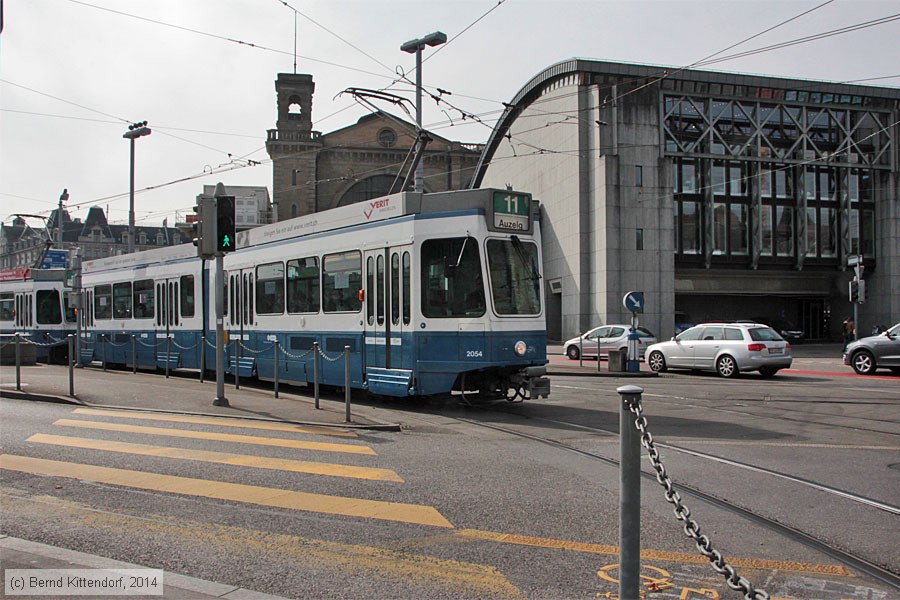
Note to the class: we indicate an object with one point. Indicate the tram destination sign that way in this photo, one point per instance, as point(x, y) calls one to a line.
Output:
point(510, 212)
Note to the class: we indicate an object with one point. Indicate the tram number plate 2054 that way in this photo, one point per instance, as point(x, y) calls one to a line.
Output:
point(474, 353)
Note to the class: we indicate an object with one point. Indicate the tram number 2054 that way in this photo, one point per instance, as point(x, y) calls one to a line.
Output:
point(474, 353)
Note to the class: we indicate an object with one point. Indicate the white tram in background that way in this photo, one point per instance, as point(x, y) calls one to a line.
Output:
point(432, 293)
point(35, 302)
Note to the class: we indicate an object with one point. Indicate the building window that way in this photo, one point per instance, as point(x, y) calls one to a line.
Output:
point(387, 137)
point(639, 239)
point(638, 176)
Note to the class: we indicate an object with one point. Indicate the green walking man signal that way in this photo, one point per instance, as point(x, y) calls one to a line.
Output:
point(224, 223)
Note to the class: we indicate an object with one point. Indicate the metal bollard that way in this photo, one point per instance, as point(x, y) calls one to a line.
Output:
point(202, 357)
point(103, 346)
point(18, 365)
point(277, 351)
point(316, 372)
point(629, 495)
point(71, 365)
point(347, 383)
point(168, 353)
point(133, 354)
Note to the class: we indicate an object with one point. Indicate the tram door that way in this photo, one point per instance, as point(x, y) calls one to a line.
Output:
point(167, 309)
point(239, 311)
point(387, 306)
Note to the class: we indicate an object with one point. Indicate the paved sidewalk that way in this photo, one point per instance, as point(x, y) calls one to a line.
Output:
point(185, 394)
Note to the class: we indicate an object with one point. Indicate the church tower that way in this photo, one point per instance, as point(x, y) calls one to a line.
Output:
point(293, 147)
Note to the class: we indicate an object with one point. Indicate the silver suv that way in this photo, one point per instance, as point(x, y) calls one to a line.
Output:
point(726, 348)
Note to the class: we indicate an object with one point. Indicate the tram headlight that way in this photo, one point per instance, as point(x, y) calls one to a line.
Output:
point(520, 348)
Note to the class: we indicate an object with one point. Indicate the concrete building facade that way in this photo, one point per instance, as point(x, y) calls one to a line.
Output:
point(720, 196)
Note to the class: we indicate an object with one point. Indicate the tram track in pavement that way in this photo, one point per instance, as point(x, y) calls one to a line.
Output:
point(692, 402)
point(849, 559)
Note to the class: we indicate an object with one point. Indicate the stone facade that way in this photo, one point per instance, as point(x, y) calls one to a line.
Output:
point(313, 171)
point(22, 245)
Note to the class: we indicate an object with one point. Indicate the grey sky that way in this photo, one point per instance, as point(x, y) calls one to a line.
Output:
point(73, 75)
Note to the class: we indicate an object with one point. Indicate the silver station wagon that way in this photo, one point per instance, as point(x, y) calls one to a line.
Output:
point(726, 348)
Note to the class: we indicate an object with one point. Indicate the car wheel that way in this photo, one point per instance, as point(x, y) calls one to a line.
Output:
point(726, 367)
point(768, 371)
point(863, 362)
point(657, 361)
point(572, 352)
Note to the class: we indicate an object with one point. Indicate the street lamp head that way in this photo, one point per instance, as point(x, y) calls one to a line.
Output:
point(136, 132)
point(432, 39)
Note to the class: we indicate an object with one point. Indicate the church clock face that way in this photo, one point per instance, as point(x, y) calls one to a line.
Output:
point(387, 137)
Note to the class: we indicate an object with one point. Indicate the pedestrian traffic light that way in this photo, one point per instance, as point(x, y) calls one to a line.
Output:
point(203, 228)
point(225, 224)
point(857, 290)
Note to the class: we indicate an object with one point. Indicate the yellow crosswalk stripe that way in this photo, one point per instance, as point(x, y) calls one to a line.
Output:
point(220, 421)
point(222, 437)
point(248, 494)
point(223, 458)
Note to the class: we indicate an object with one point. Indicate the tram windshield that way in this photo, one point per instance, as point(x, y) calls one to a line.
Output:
point(515, 277)
point(452, 285)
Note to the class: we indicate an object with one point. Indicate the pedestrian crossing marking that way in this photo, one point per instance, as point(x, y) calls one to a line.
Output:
point(224, 422)
point(222, 437)
point(224, 458)
point(247, 494)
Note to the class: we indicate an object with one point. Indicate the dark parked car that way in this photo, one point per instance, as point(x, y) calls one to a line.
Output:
point(874, 352)
point(788, 330)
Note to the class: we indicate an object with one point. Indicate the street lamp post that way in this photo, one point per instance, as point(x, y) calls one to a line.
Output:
point(135, 130)
point(415, 47)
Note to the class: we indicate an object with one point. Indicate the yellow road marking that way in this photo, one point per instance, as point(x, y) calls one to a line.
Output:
point(223, 458)
point(235, 492)
point(222, 421)
point(678, 557)
point(222, 437)
point(412, 571)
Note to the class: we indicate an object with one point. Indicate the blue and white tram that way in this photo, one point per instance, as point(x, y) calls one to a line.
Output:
point(431, 293)
point(142, 309)
point(36, 303)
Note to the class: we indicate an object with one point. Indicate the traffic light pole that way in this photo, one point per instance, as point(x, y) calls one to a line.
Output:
point(220, 400)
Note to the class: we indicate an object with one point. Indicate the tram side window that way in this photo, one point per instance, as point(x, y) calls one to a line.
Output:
point(103, 302)
point(341, 281)
point(7, 306)
point(303, 285)
point(515, 279)
point(270, 289)
point(48, 307)
point(452, 284)
point(143, 299)
point(187, 296)
point(122, 300)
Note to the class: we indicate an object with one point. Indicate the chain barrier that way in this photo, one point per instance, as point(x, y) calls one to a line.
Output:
point(180, 347)
point(691, 528)
point(328, 358)
point(27, 340)
point(295, 356)
point(251, 350)
point(146, 345)
point(109, 342)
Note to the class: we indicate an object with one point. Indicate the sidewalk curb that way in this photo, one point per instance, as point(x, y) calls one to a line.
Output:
point(92, 561)
point(17, 395)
